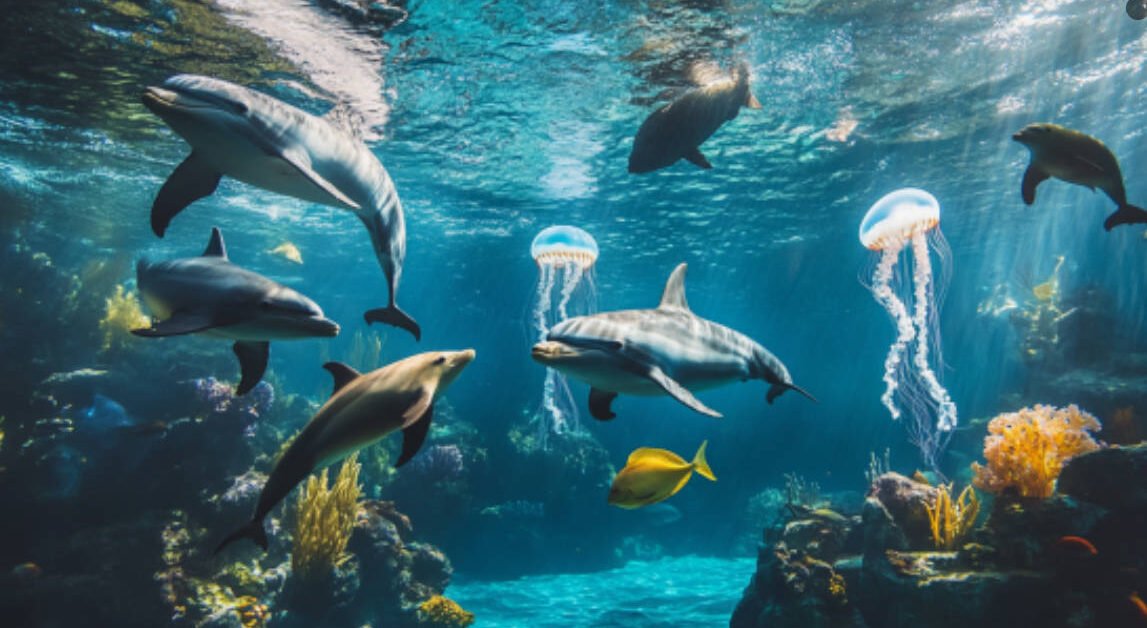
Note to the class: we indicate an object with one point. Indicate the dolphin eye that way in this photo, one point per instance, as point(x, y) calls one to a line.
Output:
point(440, 360)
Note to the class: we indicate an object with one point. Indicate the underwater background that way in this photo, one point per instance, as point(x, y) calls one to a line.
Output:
point(124, 460)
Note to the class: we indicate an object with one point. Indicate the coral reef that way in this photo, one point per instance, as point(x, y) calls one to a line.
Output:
point(1026, 450)
point(441, 611)
point(122, 313)
point(951, 521)
point(324, 520)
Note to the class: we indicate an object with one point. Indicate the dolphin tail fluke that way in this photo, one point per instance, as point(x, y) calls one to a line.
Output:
point(701, 466)
point(192, 180)
point(777, 389)
point(394, 317)
point(1126, 215)
point(253, 530)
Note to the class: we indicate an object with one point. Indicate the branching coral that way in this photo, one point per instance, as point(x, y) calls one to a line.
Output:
point(443, 611)
point(1026, 450)
point(122, 314)
point(951, 521)
point(324, 521)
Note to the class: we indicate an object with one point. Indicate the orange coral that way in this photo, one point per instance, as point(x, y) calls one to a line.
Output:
point(1026, 450)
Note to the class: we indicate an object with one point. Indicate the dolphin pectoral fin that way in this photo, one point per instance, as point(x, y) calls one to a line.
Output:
point(423, 405)
point(252, 363)
point(342, 373)
point(679, 392)
point(777, 389)
point(1126, 215)
point(394, 317)
point(179, 324)
point(697, 159)
point(599, 401)
point(302, 164)
point(1032, 177)
point(192, 180)
point(251, 530)
point(414, 435)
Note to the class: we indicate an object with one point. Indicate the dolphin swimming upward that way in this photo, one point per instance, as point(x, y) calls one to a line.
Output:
point(362, 410)
point(665, 351)
point(212, 296)
point(267, 143)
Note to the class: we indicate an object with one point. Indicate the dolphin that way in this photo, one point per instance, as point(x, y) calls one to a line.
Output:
point(267, 143)
point(362, 410)
point(1077, 158)
point(677, 130)
point(212, 296)
point(664, 351)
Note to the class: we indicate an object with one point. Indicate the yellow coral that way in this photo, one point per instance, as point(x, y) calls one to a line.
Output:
point(951, 521)
point(324, 521)
point(122, 314)
point(440, 610)
point(1026, 450)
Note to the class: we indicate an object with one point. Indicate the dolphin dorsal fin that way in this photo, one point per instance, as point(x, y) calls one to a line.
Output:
point(215, 247)
point(674, 294)
point(342, 373)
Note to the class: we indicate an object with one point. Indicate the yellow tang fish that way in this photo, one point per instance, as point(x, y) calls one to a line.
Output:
point(651, 475)
point(289, 252)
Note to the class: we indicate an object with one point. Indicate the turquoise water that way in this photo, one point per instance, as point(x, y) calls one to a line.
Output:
point(495, 120)
point(682, 591)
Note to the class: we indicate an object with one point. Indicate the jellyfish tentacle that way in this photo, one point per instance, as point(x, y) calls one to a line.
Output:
point(905, 332)
point(946, 410)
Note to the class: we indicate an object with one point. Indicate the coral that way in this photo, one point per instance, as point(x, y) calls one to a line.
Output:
point(324, 521)
point(802, 492)
point(122, 314)
point(877, 466)
point(951, 521)
point(442, 611)
point(438, 464)
point(1026, 450)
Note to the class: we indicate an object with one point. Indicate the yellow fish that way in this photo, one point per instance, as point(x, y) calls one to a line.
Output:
point(289, 252)
point(651, 475)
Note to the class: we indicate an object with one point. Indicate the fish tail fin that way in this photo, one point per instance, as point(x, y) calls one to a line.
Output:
point(1125, 215)
point(393, 316)
point(252, 530)
point(701, 466)
point(776, 389)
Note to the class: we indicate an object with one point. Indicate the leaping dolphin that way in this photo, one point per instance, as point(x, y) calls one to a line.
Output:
point(212, 296)
point(362, 410)
point(664, 351)
point(267, 143)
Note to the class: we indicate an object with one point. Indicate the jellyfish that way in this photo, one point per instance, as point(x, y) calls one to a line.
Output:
point(565, 257)
point(909, 218)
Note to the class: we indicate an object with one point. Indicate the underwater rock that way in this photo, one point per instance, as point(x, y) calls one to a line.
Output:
point(906, 500)
point(1024, 530)
point(880, 530)
point(1115, 478)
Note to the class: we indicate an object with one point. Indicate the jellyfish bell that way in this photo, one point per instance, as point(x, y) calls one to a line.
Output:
point(909, 218)
point(898, 216)
point(563, 244)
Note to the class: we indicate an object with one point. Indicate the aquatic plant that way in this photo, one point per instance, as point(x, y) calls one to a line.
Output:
point(122, 313)
point(877, 466)
point(324, 521)
point(440, 610)
point(801, 492)
point(951, 521)
point(1026, 450)
point(365, 351)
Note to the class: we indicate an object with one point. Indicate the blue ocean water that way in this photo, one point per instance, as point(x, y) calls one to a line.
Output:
point(497, 120)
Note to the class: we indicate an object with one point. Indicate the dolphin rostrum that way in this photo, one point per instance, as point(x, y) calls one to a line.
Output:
point(362, 410)
point(1078, 158)
point(267, 143)
point(664, 351)
point(677, 130)
point(212, 296)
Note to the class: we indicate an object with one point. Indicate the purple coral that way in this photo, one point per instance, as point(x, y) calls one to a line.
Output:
point(221, 400)
point(440, 462)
